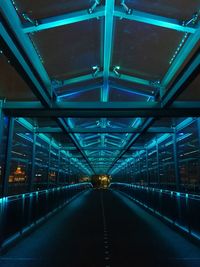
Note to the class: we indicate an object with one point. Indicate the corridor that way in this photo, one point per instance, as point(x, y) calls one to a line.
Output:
point(102, 228)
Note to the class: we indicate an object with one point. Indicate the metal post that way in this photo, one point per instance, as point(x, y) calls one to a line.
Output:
point(1, 122)
point(158, 163)
point(1, 142)
point(134, 166)
point(147, 168)
point(58, 170)
point(32, 172)
point(139, 167)
point(198, 131)
point(8, 156)
point(176, 165)
point(49, 162)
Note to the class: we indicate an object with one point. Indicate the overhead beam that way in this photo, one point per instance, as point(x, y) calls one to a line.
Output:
point(76, 80)
point(132, 79)
point(129, 90)
point(22, 66)
point(9, 13)
point(74, 17)
point(108, 42)
point(78, 90)
point(63, 125)
point(66, 19)
point(184, 53)
point(188, 74)
point(155, 20)
point(145, 127)
point(103, 110)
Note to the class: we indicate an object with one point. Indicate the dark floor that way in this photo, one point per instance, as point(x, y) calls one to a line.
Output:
point(103, 228)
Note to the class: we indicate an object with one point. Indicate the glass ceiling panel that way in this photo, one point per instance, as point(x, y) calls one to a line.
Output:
point(10, 80)
point(140, 49)
point(47, 8)
point(62, 53)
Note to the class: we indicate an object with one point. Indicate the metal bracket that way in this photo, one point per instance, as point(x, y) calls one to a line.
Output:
point(116, 71)
point(32, 21)
point(155, 84)
point(96, 70)
point(56, 83)
point(93, 7)
point(126, 8)
point(192, 21)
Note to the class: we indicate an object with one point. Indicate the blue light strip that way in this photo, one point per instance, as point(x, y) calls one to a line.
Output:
point(130, 91)
point(162, 191)
point(4, 200)
point(67, 95)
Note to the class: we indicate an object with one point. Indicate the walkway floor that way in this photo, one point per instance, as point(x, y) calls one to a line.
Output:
point(102, 228)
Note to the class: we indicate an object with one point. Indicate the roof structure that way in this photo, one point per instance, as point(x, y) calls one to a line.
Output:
point(100, 77)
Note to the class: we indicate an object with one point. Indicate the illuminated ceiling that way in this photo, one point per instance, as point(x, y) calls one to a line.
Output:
point(102, 73)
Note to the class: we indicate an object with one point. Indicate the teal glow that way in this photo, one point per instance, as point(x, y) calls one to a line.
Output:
point(65, 19)
point(161, 139)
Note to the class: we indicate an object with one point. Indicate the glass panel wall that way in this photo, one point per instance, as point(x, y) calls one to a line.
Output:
point(21, 156)
point(173, 159)
point(3, 142)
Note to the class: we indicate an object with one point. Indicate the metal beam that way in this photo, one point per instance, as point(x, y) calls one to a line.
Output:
point(21, 65)
point(104, 110)
point(79, 90)
point(62, 20)
point(108, 41)
point(9, 12)
point(129, 90)
point(188, 74)
point(63, 125)
point(155, 20)
point(145, 127)
point(83, 15)
point(132, 79)
point(184, 53)
point(76, 80)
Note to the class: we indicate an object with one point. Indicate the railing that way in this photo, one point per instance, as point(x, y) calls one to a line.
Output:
point(20, 213)
point(180, 209)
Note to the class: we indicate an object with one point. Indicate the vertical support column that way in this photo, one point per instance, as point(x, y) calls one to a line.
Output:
point(32, 172)
point(176, 165)
point(158, 163)
point(1, 122)
point(147, 168)
point(49, 162)
point(198, 131)
point(139, 167)
point(134, 168)
point(58, 171)
point(131, 172)
point(1, 143)
point(8, 155)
